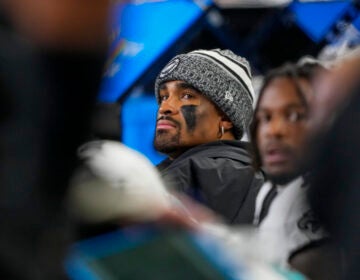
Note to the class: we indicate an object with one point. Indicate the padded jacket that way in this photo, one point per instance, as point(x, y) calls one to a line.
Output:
point(218, 174)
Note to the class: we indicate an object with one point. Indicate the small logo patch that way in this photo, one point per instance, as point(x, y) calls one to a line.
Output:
point(309, 222)
point(169, 68)
point(228, 96)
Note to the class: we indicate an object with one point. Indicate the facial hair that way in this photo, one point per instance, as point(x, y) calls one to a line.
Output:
point(282, 179)
point(164, 144)
point(171, 144)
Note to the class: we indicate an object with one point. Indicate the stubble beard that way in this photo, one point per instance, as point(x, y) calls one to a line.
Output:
point(282, 179)
point(166, 143)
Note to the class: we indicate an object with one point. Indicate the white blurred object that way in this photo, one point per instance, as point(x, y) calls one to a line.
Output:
point(116, 183)
point(241, 250)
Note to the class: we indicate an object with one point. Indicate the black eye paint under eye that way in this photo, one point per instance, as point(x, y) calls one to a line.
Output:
point(189, 113)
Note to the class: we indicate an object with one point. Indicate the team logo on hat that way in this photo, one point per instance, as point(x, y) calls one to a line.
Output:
point(169, 68)
point(228, 96)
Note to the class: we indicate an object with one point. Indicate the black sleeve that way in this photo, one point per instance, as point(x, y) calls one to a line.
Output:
point(226, 186)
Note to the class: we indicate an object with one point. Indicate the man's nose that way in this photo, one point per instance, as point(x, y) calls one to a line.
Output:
point(168, 107)
point(277, 127)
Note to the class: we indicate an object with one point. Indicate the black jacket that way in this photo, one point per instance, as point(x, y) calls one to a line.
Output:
point(218, 174)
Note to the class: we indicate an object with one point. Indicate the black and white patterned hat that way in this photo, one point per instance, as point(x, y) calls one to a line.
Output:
point(221, 76)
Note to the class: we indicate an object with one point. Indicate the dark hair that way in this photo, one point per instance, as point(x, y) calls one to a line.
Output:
point(304, 69)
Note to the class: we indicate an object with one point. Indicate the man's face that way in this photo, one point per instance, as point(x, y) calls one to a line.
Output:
point(281, 132)
point(185, 119)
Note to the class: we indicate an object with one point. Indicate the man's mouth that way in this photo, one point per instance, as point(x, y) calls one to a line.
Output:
point(276, 155)
point(165, 125)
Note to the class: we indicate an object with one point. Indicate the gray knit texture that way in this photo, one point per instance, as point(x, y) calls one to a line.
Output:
point(214, 82)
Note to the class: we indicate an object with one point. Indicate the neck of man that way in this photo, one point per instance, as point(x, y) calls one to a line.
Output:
point(284, 179)
point(175, 154)
point(227, 136)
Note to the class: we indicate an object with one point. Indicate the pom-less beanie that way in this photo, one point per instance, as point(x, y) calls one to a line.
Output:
point(221, 76)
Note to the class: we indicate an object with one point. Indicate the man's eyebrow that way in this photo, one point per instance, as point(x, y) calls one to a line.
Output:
point(288, 106)
point(296, 105)
point(162, 86)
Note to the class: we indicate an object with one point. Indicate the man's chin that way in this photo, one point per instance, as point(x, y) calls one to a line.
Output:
point(282, 178)
point(165, 149)
point(165, 144)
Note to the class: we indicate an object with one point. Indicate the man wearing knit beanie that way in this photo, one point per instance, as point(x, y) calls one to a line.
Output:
point(205, 105)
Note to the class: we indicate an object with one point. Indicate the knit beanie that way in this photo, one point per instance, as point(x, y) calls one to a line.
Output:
point(221, 76)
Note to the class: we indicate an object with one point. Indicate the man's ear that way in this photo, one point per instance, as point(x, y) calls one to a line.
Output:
point(226, 123)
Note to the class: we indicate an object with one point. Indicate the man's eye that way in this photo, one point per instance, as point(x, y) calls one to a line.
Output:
point(263, 118)
point(187, 96)
point(163, 98)
point(295, 116)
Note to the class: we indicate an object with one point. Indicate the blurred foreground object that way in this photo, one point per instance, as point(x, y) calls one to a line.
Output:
point(149, 252)
point(116, 182)
point(49, 81)
point(67, 24)
point(335, 192)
